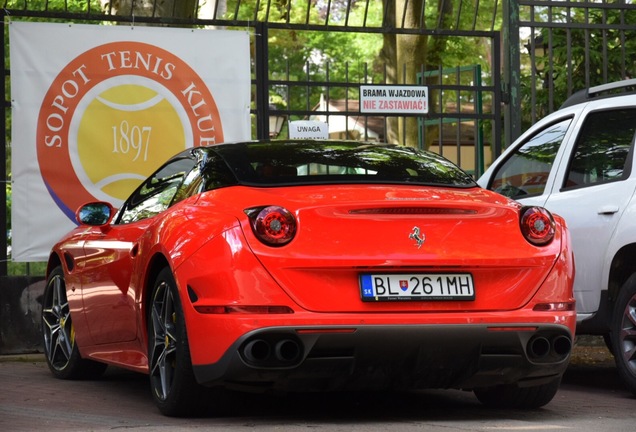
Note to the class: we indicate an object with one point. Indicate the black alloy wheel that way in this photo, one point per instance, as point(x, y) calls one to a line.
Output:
point(60, 349)
point(172, 381)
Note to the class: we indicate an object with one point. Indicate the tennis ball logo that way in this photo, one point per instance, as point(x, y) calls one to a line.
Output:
point(142, 128)
point(113, 115)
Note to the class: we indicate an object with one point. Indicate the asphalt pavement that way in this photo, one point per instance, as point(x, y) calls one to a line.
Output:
point(32, 400)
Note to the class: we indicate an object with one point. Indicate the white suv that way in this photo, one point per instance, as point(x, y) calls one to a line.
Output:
point(579, 162)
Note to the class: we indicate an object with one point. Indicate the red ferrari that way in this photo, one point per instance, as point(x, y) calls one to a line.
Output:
point(313, 266)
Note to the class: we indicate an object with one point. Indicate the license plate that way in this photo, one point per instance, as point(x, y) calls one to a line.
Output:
point(409, 287)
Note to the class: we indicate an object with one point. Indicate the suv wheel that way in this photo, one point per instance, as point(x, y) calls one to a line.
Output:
point(624, 333)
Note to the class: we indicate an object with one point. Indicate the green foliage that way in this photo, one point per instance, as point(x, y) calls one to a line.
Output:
point(354, 57)
point(603, 62)
point(74, 6)
point(580, 57)
point(8, 192)
point(25, 268)
point(321, 56)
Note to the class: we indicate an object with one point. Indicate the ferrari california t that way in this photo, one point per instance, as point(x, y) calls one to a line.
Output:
point(313, 266)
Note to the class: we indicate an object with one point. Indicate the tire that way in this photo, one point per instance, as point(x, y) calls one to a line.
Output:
point(607, 338)
point(58, 334)
point(174, 388)
point(511, 396)
point(624, 333)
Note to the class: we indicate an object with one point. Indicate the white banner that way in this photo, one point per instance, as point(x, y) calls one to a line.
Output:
point(96, 109)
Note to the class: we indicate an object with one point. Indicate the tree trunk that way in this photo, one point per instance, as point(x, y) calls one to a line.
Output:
point(404, 56)
point(407, 55)
point(411, 56)
point(388, 55)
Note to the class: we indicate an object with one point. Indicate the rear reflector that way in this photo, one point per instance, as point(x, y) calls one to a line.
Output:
point(550, 307)
point(243, 309)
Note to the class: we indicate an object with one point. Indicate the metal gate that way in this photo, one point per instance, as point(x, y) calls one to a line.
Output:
point(567, 46)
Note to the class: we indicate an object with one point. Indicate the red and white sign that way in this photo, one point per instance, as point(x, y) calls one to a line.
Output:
point(96, 109)
point(393, 99)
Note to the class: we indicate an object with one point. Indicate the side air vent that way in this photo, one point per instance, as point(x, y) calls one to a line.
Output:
point(70, 262)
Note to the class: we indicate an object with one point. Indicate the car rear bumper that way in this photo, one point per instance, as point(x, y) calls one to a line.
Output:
point(367, 357)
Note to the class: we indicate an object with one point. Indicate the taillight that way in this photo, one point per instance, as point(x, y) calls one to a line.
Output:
point(537, 225)
point(273, 225)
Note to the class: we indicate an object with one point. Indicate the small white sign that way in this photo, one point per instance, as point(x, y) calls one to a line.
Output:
point(388, 99)
point(309, 129)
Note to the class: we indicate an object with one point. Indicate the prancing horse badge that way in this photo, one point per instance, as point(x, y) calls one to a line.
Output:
point(419, 238)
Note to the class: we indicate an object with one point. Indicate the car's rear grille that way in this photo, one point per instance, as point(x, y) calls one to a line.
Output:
point(411, 210)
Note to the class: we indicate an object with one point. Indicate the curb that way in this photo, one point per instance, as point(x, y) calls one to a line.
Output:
point(26, 358)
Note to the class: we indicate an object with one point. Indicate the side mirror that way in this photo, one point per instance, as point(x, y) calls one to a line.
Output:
point(95, 214)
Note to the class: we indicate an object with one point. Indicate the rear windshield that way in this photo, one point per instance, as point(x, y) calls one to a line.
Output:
point(325, 162)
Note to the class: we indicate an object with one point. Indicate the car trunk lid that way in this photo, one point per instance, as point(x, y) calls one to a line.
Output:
point(349, 235)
